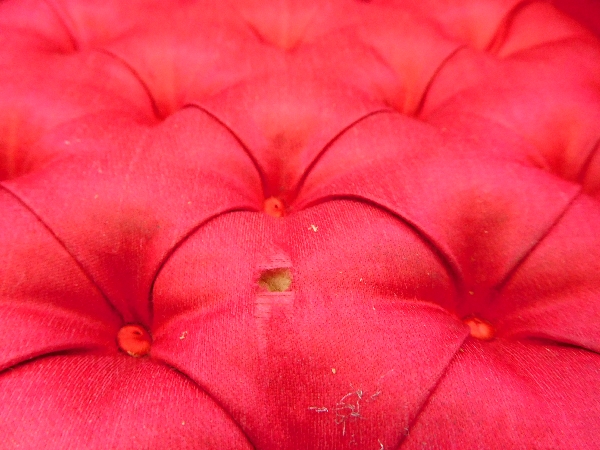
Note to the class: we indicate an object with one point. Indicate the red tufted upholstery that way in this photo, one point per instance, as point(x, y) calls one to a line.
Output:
point(299, 225)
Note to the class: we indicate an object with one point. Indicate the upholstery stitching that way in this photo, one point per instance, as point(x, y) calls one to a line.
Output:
point(66, 249)
point(576, 39)
point(257, 34)
point(434, 76)
point(137, 76)
point(426, 401)
point(261, 174)
point(65, 21)
point(541, 237)
point(329, 144)
point(588, 161)
point(69, 315)
point(59, 352)
point(447, 261)
point(546, 339)
point(184, 237)
point(209, 395)
point(503, 31)
point(299, 42)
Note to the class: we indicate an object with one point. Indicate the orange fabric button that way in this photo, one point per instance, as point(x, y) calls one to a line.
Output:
point(134, 340)
point(274, 207)
point(480, 329)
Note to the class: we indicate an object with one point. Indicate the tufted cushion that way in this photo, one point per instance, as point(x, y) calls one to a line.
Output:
point(299, 224)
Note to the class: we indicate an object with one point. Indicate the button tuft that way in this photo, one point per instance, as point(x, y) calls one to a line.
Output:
point(274, 207)
point(480, 329)
point(134, 340)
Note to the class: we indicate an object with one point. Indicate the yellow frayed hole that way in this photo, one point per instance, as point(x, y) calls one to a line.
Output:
point(276, 280)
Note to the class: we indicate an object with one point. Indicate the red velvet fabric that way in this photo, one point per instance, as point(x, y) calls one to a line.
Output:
point(299, 224)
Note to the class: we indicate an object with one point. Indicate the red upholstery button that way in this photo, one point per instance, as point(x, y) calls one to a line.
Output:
point(480, 329)
point(274, 207)
point(134, 340)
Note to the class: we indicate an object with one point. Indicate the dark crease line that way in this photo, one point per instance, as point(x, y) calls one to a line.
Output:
point(451, 267)
point(239, 140)
point(505, 26)
point(374, 52)
point(64, 19)
point(434, 76)
point(540, 45)
point(67, 351)
point(330, 143)
point(426, 401)
point(185, 237)
point(295, 45)
point(256, 33)
point(210, 396)
point(302, 35)
point(138, 77)
point(66, 249)
point(536, 244)
point(588, 161)
point(547, 339)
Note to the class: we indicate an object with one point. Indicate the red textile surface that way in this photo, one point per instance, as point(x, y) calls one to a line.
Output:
point(299, 225)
